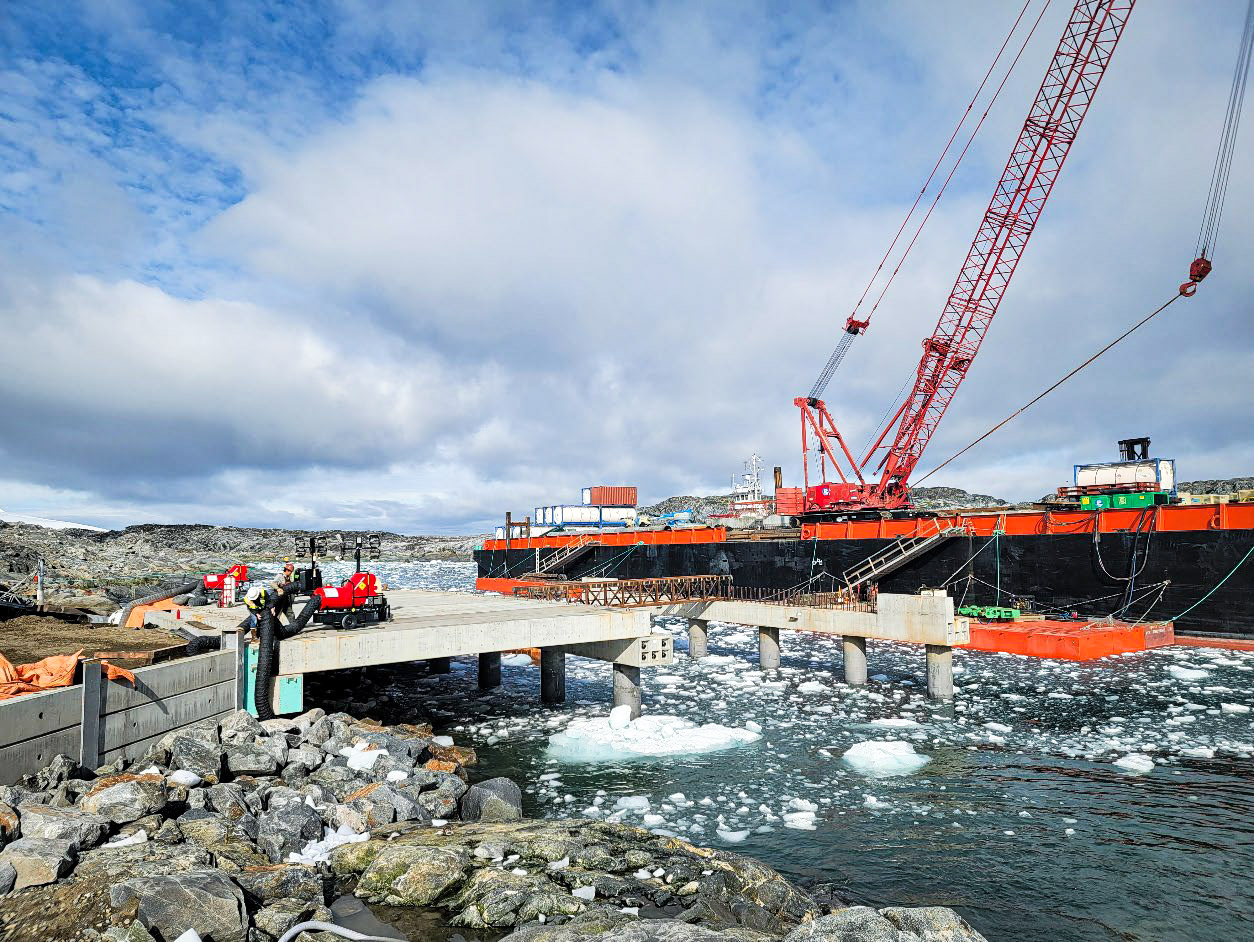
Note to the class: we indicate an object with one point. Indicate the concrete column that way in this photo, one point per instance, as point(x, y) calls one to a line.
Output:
point(768, 648)
point(489, 670)
point(553, 675)
point(698, 639)
point(627, 688)
point(855, 659)
point(940, 672)
point(440, 665)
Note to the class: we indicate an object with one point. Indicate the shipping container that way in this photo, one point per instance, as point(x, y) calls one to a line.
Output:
point(1160, 472)
point(605, 495)
point(789, 501)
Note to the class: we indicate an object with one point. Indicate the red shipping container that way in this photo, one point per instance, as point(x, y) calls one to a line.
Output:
point(789, 501)
point(609, 496)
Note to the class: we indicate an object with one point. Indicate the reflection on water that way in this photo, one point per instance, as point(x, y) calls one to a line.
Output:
point(1020, 821)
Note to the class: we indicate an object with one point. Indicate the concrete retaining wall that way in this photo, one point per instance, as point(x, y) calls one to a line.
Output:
point(98, 720)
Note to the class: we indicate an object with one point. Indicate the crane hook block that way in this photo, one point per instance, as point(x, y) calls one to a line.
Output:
point(1197, 272)
point(853, 326)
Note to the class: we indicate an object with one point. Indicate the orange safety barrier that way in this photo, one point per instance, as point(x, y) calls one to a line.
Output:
point(504, 586)
point(48, 674)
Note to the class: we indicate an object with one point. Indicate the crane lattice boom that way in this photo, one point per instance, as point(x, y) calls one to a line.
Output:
point(1084, 52)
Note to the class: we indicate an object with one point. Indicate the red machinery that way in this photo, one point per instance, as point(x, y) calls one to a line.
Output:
point(218, 582)
point(1080, 61)
point(356, 602)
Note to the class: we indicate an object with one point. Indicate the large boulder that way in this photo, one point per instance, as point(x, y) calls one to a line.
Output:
point(287, 828)
point(932, 924)
point(413, 876)
point(496, 800)
point(276, 919)
point(8, 877)
point(170, 904)
point(382, 804)
point(231, 841)
point(81, 828)
point(502, 898)
point(10, 824)
point(240, 726)
point(247, 759)
point(228, 800)
point(854, 924)
point(267, 884)
point(194, 755)
point(38, 860)
point(126, 798)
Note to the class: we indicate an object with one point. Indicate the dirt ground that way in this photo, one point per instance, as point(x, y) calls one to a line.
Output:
point(31, 638)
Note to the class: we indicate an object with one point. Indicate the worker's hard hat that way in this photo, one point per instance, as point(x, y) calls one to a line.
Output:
point(254, 593)
point(287, 566)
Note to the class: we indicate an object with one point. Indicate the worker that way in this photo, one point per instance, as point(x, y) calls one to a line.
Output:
point(261, 597)
point(284, 585)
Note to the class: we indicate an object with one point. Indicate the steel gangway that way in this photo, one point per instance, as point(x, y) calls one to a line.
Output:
point(896, 555)
point(557, 560)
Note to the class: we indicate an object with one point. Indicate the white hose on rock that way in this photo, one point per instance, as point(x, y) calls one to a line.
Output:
point(315, 926)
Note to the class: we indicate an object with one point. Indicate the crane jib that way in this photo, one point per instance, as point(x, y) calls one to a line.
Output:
point(1071, 81)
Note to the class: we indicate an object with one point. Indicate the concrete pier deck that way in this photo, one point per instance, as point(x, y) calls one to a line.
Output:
point(434, 626)
point(429, 624)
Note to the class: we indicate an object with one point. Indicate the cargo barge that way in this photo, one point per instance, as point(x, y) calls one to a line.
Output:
point(1169, 562)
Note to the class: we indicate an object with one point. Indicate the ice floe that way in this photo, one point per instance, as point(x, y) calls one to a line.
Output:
point(884, 757)
point(599, 739)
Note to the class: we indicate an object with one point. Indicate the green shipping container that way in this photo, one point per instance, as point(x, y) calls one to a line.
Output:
point(1144, 499)
point(1095, 501)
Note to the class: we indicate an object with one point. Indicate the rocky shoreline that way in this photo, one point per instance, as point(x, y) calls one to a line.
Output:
point(242, 829)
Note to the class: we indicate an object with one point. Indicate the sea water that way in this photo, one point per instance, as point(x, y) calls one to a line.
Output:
point(1051, 800)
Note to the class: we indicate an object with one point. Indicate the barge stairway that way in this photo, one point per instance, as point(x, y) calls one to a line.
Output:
point(557, 560)
point(895, 556)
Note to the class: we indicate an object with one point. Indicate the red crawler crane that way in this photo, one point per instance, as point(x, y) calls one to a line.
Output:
point(1077, 68)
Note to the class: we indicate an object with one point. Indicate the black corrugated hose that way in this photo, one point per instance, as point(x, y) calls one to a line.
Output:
point(269, 634)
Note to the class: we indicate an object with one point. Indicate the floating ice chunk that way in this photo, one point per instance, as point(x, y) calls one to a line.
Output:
point(894, 722)
point(653, 820)
point(598, 739)
point(997, 727)
point(800, 820)
point(731, 837)
point(812, 686)
point(668, 679)
point(880, 678)
point(800, 804)
point(363, 755)
point(880, 758)
point(678, 798)
point(1187, 674)
point(184, 777)
point(632, 803)
point(516, 660)
point(757, 727)
point(870, 801)
point(442, 740)
point(318, 851)
point(1136, 763)
point(1198, 752)
point(1234, 708)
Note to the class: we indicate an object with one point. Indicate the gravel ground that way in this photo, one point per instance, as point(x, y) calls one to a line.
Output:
point(33, 637)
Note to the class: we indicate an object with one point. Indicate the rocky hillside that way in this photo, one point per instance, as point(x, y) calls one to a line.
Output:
point(1227, 486)
point(122, 562)
point(702, 506)
point(953, 498)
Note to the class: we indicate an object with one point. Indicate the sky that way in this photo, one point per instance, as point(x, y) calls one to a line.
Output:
point(407, 266)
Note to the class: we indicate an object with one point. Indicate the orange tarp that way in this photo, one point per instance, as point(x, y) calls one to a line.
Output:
point(55, 671)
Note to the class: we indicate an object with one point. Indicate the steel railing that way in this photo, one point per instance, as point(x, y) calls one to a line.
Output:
point(635, 593)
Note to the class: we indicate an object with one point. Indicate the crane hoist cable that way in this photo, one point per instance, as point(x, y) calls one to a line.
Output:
point(1209, 230)
point(853, 325)
point(1024, 408)
point(1211, 216)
